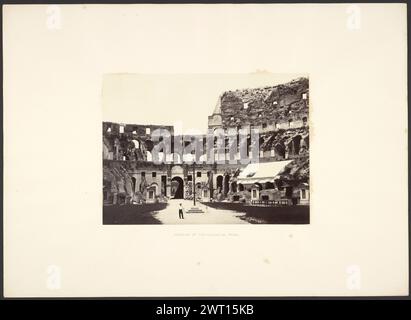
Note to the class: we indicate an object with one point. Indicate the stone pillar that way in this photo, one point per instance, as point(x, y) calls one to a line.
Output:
point(215, 190)
point(225, 190)
point(168, 187)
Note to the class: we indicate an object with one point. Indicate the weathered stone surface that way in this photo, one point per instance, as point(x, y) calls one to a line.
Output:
point(262, 106)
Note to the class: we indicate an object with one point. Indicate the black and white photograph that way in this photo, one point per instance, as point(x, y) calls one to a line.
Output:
point(250, 166)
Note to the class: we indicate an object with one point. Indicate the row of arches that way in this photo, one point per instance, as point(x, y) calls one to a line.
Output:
point(291, 147)
point(138, 150)
point(222, 184)
point(240, 187)
point(223, 187)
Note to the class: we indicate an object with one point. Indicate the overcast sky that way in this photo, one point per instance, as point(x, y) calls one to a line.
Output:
point(170, 99)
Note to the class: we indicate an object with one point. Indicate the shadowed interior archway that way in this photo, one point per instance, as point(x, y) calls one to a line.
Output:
point(220, 183)
point(177, 188)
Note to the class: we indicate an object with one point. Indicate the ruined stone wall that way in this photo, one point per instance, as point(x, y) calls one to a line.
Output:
point(142, 131)
point(128, 141)
point(285, 144)
point(279, 112)
point(298, 170)
point(131, 180)
point(268, 106)
point(277, 144)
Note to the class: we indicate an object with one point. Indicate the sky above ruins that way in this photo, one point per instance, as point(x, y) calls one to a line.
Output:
point(184, 101)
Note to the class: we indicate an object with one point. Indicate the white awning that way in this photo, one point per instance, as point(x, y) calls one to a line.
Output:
point(261, 172)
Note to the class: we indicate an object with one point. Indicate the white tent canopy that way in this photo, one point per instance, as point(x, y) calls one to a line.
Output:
point(261, 172)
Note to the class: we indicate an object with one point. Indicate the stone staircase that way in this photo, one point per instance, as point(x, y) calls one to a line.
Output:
point(195, 210)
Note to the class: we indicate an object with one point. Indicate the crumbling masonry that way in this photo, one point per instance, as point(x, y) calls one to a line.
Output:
point(280, 113)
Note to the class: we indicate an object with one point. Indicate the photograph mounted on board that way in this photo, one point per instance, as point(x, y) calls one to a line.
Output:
point(206, 149)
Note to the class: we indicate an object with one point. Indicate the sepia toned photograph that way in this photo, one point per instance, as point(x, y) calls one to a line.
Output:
point(249, 166)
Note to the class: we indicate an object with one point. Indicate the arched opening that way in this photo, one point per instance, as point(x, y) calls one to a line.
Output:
point(154, 186)
point(177, 158)
point(161, 157)
point(106, 189)
point(307, 142)
point(164, 185)
point(152, 191)
point(304, 121)
point(149, 156)
point(248, 145)
point(280, 150)
point(136, 144)
point(226, 184)
point(269, 185)
point(255, 191)
point(219, 184)
point(258, 185)
point(202, 158)
point(169, 157)
point(279, 184)
point(240, 187)
point(234, 186)
point(177, 188)
point(289, 149)
point(149, 145)
point(198, 189)
point(297, 144)
point(133, 183)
